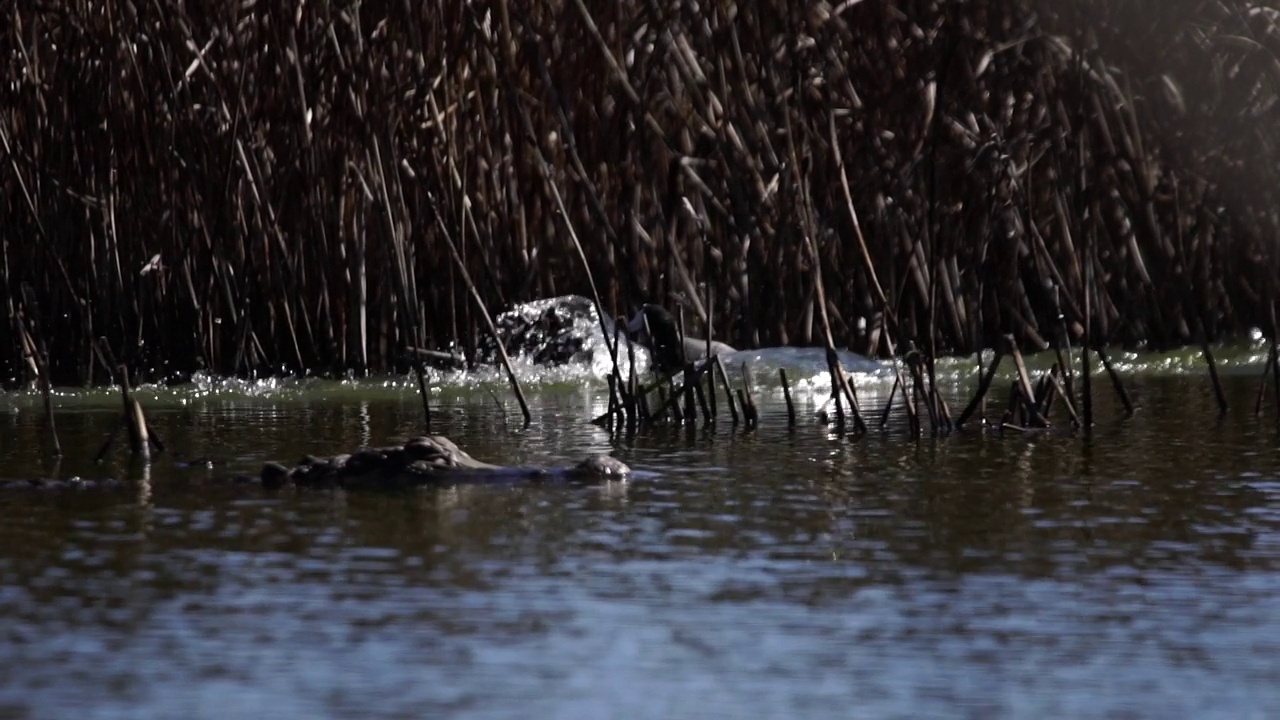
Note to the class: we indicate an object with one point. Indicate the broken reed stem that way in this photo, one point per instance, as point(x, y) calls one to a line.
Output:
point(690, 381)
point(888, 406)
point(708, 418)
point(1116, 382)
point(837, 390)
point(642, 409)
point(1062, 348)
point(1086, 344)
point(1213, 378)
point(1015, 410)
point(728, 391)
point(984, 384)
point(1024, 385)
point(1044, 394)
point(841, 379)
point(836, 398)
point(1059, 388)
point(141, 438)
point(624, 393)
point(908, 400)
point(671, 399)
point(786, 393)
point(134, 423)
point(944, 413)
point(746, 413)
point(852, 394)
point(750, 412)
point(920, 393)
point(936, 412)
point(1064, 364)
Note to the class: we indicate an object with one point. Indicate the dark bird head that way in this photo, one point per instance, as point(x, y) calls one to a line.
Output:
point(655, 328)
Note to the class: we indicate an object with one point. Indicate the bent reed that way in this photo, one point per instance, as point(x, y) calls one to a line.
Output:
point(263, 187)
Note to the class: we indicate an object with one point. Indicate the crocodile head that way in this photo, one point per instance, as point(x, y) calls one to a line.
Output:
point(600, 467)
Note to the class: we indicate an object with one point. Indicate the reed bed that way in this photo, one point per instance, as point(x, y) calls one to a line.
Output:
point(266, 187)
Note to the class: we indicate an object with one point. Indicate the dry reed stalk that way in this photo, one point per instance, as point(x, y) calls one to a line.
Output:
point(141, 437)
point(786, 394)
point(984, 384)
point(750, 413)
point(1214, 381)
point(690, 382)
point(1262, 382)
point(888, 405)
point(1023, 386)
point(920, 393)
point(724, 385)
point(1116, 383)
point(1065, 396)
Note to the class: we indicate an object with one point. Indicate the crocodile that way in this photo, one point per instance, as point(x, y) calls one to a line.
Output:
point(427, 461)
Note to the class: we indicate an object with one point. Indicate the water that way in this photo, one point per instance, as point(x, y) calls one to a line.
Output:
point(773, 574)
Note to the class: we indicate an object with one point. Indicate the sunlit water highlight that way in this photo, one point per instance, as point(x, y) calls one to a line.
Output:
point(780, 573)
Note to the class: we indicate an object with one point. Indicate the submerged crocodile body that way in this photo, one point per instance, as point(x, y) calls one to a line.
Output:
point(428, 461)
point(425, 461)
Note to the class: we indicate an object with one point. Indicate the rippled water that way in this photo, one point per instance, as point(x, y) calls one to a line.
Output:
point(779, 573)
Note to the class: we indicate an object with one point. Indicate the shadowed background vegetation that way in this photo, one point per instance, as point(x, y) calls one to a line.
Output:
point(265, 186)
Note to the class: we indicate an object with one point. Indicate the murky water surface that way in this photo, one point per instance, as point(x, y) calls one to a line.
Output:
point(773, 574)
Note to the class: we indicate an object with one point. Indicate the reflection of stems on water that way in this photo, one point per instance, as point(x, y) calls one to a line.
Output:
point(36, 354)
point(984, 384)
point(1272, 368)
point(1213, 377)
point(502, 410)
point(142, 438)
point(144, 482)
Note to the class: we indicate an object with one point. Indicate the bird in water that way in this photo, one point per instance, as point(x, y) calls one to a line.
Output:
point(656, 329)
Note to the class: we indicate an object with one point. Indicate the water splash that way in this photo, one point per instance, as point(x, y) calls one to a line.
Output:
point(552, 332)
